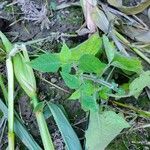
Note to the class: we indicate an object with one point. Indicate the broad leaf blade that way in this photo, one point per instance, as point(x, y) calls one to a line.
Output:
point(127, 63)
point(91, 64)
point(103, 128)
point(91, 46)
point(46, 63)
point(139, 84)
point(71, 80)
point(65, 54)
point(69, 136)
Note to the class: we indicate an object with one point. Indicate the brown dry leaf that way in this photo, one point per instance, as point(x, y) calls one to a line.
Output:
point(137, 34)
point(100, 19)
point(130, 10)
point(88, 6)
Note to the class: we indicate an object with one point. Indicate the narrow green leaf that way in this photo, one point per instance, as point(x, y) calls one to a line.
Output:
point(21, 130)
point(103, 128)
point(69, 136)
point(109, 48)
point(90, 64)
point(127, 63)
point(65, 54)
point(46, 63)
point(71, 80)
point(7, 44)
point(39, 107)
point(91, 46)
point(139, 84)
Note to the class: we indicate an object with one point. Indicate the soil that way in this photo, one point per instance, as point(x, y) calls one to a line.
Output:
point(68, 21)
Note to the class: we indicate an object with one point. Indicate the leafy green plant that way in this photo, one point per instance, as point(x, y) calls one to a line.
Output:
point(26, 80)
point(92, 82)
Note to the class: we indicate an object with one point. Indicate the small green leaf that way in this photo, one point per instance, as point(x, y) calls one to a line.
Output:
point(109, 48)
point(90, 64)
point(103, 93)
point(127, 63)
point(87, 88)
point(69, 136)
point(46, 63)
point(103, 128)
point(139, 84)
point(91, 46)
point(71, 80)
point(89, 103)
point(75, 95)
point(65, 54)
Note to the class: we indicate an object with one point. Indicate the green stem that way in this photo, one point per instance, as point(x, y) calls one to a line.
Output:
point(44, 132)
point(10, 76)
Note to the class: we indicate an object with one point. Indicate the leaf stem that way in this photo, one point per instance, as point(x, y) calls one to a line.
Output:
point(10, 76)
point(44, 132)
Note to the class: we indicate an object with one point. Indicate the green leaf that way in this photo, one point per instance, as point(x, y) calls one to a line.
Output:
point(89, 103)
point(65, 54)
point(103, 93)
point(46, 63)
point(127, 63)
point(137, 85)
point(20, 130)
point(66, 68)
point(7, 44)
point(109, 48)
point(69, 136)
point(103, 128)
point(71, 80)
point(90, 64)
point(39, 107)
point(75, 95)
point(91, 46)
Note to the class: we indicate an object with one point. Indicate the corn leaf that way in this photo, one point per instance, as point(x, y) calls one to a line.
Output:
point(69, 136)
point(103, 128)
point(7, 44)
point(21, 130)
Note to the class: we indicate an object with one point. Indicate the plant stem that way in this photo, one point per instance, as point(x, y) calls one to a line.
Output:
point(140, 112)
point(10, 76)
point(44, 132)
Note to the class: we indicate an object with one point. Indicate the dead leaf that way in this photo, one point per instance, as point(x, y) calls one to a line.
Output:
point(130, 10)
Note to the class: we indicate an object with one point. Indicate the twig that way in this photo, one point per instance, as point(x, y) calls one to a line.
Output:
point(54, 85)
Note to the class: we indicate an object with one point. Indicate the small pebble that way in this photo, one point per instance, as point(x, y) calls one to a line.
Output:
point(53, 80)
